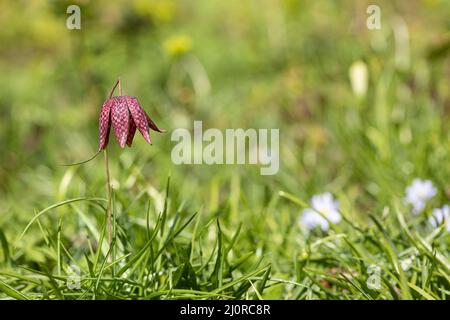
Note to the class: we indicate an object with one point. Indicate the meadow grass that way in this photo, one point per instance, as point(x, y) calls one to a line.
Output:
point(225, 232)
point(178, 254)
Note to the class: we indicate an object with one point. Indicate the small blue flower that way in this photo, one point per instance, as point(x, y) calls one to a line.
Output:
point(418, 193)
point(326, 205)
point(441, 216)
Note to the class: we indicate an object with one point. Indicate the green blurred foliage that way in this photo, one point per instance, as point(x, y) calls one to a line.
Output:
point(233, 64)
point(280, 64)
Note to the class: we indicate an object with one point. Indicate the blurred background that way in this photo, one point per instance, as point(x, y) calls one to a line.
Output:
point(284, 64)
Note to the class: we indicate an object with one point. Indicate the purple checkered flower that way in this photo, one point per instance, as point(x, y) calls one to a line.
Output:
point(126, 115)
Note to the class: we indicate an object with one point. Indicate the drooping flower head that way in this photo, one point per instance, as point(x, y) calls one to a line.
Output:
point(126, 115)
point(418, 193)
point(327, 206)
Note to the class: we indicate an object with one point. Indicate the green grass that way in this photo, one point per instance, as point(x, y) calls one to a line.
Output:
point(177, 254)
point(224, 232)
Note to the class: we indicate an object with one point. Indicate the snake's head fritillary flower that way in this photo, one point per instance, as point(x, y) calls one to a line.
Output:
point(418, 193)
point(327, 206)
point(125, 114)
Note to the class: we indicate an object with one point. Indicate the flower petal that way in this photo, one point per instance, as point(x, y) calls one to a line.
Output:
point(131, 132)
point(139, 117)
point(104, 124)
point(153, 125)
point(311, 219)
point(120, 120)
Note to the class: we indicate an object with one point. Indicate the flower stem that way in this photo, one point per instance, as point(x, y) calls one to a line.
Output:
point(109, 193)
point(108, 182)
point(114, 88)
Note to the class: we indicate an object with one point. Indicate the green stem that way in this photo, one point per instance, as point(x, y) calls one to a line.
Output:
point(114, 88)
point(109, 193)
point(108, 182)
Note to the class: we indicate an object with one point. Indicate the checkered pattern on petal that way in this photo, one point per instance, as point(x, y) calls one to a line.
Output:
point(131, 132)
point(120, 120)
point(139, 117)
point(104, 124)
